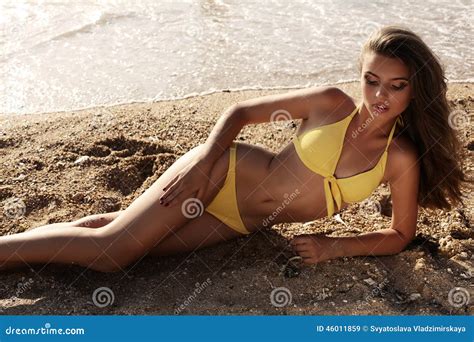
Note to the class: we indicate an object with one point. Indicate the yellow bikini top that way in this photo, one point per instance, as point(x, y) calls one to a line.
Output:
point(320, 149)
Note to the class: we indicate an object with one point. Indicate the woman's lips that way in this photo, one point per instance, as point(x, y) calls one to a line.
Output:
point(380, 108)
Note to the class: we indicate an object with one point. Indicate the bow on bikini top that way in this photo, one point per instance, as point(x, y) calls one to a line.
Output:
point(320, 149)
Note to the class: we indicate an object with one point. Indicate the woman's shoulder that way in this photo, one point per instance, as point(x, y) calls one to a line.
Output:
point(402, 145)
point(402, 157)
point(339, 105)
point(339, 96)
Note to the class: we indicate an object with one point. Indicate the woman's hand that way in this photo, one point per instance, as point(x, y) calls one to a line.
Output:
point(192, 181)
point(313, 248)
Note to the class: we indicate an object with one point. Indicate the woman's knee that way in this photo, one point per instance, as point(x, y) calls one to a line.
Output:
point(117, 252)
point(96, 220)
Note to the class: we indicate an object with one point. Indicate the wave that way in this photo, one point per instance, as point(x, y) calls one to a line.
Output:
point(103, 19)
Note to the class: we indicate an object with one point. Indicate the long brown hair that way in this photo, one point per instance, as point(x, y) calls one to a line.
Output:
point(428, 119)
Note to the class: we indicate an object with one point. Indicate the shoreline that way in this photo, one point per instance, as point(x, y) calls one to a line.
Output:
point(129, 146)
point(341, 84)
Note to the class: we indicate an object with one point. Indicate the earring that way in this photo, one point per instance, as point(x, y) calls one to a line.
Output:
point(400, 121)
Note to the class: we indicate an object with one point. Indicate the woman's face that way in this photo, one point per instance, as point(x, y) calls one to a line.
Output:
point(385, 82)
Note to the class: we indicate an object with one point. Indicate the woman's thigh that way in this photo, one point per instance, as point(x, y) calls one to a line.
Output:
point(145, 222)
point(96, 220)
point(203, 231)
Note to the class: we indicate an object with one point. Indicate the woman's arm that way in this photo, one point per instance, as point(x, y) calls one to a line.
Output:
point(403, 178)
point(298, 104)
point(227, 127)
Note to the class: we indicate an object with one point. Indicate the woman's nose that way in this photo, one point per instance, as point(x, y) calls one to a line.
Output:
point(381, 92)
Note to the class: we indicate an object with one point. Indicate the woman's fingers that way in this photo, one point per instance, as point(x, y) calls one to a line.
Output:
point(170, 183)
point(174, 198)
point(170, 192)
point(310, 261)
point(300, 240)
point(200, 192)
point(305, 254)
point(174, 191)
point(300, 247)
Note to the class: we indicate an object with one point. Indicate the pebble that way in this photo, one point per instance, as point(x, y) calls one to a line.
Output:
point(81, 160)
point(415, 296)
point(20, 177)
point(464, 255)
point(370, 281)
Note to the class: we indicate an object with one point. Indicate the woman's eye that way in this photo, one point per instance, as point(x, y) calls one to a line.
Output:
point(370, 82)
point(400, 87)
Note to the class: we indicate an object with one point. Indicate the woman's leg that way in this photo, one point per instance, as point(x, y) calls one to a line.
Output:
point(91, 221)
point(200, 232)
point(67, 244)
point(203, 231)
point(133, 234)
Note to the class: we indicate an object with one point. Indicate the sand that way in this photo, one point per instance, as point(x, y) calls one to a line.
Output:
point(130, 146)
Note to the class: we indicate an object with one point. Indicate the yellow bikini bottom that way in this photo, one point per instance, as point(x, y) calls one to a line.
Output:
point(224, 205)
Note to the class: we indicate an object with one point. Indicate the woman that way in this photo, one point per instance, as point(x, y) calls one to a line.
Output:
point(397, 134)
